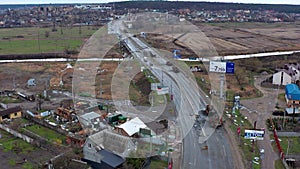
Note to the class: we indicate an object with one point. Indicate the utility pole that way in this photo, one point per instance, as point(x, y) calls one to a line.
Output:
point(294, 109)
point(100, 96)
point(221, 85)
point(162, 78)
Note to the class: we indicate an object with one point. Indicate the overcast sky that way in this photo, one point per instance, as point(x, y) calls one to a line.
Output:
point(104, 1)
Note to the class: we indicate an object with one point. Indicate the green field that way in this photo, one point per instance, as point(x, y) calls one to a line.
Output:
point(40, 40)
point(44, 132)
point(279, 165)
point(10, 143)
point(158, 164)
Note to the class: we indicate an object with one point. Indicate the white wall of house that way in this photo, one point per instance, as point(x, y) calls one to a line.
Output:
point(281, 78)
point(90, 152)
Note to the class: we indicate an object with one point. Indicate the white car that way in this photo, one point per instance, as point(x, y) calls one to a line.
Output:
point(262, 151)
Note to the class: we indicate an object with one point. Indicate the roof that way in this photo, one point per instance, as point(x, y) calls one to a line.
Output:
point(113, 142)
point(132, 126)
point(292, 92)
point(10, 110)
point(89, 116)
point(111, 159)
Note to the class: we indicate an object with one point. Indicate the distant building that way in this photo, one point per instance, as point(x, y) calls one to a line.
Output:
point(11, 113)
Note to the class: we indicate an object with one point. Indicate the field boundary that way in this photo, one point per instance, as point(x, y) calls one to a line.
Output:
point(17, 134)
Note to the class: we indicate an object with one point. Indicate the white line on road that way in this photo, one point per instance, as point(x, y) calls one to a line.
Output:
point(224, 150)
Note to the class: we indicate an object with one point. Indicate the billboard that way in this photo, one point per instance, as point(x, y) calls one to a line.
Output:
point(154, 86)
point(219, 67)
point(162, 90)
point(254, 134)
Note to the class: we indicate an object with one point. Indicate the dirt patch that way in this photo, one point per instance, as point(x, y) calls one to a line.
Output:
point(241, 40)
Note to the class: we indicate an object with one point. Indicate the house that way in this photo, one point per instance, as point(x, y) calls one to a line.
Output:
point(131, 128)
point(90, 119)
point(11, 113)
point(281, 78)
point(109, 160)
point(65, 113)
point(292, 95)
point(290, 73)
point(107, 149)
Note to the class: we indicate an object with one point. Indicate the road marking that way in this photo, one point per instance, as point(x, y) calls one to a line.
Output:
point(224, 150)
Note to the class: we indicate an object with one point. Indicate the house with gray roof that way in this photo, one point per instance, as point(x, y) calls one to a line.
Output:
point(90, 119)
point(116, 146)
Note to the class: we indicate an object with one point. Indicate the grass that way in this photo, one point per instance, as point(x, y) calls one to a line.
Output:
point(157, 99)
point(28, 165)
point(246, 144)
point(6, 100)
point(294, 145)
point(34, 40)
point(150, 77)
point(279, 165)
point(11, 143)
point(38, 46)
point(281, 97)
point(158, 164)
point(12, 162)
point(44, 132)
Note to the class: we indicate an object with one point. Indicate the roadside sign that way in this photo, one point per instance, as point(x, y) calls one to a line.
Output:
point(162, 90)
point(254, 134)
point(154, 86)
point(230, 67)
point(219, 67)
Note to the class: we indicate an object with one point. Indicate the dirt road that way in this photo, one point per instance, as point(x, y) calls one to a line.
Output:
point(259, 110)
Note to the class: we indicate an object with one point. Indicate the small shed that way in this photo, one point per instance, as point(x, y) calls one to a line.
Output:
point(131, 127)
point(90, 119)
point(31, 82)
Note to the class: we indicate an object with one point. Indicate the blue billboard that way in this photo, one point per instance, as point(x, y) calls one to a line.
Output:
point(230, 67)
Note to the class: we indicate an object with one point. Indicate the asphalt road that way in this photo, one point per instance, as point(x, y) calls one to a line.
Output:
point(218, 155)
point(188, 102)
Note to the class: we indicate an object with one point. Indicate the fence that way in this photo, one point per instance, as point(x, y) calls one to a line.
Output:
point(17, 134)
point(281, 153)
